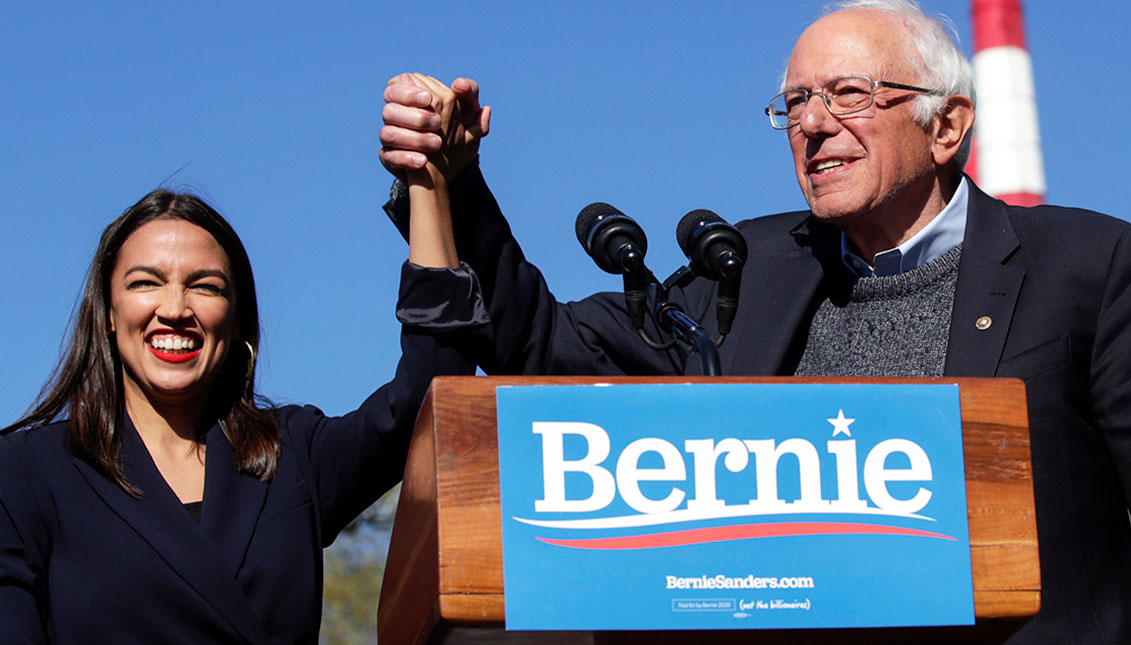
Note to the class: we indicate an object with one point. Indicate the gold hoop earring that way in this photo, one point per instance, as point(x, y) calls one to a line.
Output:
point(250, 367)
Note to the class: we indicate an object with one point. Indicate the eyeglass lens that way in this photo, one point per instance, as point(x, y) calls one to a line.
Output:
point(841, 95)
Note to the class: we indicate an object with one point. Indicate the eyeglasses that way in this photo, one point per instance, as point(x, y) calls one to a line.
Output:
point(841, 95)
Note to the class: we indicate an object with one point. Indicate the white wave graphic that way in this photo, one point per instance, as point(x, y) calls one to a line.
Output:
point(689, 515)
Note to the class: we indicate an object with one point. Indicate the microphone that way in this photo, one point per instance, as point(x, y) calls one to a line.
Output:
point(717, 252)
point(617, 244)
point(614, 240)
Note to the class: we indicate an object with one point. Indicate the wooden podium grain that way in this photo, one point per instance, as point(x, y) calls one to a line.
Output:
point(444, 575)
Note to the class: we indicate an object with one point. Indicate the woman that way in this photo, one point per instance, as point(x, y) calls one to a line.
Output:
point(170, 506)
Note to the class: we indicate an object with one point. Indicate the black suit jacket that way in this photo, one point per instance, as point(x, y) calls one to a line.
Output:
point(1054, 282)
point(81, 561)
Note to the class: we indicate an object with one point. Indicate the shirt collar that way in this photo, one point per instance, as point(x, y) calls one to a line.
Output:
point(940, 235)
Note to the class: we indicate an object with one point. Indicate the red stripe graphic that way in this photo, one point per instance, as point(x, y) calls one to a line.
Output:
point(743, 532)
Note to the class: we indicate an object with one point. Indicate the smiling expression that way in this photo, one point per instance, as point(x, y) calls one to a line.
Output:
point(873, 163)
point(172, 311)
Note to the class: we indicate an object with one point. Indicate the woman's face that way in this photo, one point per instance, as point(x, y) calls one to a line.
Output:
point(172, 312)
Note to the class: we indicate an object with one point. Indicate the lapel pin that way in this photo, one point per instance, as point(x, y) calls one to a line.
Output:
point(983, 323)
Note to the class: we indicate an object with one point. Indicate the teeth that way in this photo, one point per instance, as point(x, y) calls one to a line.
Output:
point(173, 343)
point(828, 164)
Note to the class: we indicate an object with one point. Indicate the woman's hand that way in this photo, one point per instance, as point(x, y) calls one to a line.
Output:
point(426, 121)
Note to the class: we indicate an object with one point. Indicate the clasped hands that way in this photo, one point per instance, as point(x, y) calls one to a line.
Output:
point(430, 126)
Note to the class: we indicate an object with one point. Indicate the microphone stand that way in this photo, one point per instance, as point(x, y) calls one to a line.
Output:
point(684, 328)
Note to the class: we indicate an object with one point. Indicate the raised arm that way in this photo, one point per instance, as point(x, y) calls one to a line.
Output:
point(530, 332)
point(431, 242)
point(458, 123)
point(356, 457)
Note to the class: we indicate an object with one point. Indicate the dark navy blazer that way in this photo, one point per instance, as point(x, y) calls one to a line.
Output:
point(1055, 282)
point(83, 561)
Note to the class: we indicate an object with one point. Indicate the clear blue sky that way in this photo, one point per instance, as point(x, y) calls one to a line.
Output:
point(271, 112)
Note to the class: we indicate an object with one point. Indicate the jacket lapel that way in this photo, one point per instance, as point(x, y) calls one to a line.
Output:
point(232, 502)
point(776, 308)
point(987, 289)
point(160, 520)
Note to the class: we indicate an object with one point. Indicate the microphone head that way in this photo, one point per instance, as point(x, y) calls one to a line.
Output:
point(692, 226)
point(595, 211)
point(607, 235)
point(712, 244)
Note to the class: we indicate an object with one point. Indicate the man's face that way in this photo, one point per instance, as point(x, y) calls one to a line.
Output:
point(868, 165)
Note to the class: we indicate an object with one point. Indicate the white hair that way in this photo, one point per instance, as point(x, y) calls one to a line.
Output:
point(944, 66)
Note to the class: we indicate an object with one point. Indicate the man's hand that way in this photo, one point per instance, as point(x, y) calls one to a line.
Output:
point(426, 120)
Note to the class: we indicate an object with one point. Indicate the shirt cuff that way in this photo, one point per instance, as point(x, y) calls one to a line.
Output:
point(440, 299)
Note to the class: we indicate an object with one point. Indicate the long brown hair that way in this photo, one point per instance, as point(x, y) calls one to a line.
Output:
point(86, 385)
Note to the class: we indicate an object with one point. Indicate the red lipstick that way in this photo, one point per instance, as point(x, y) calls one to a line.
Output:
point(173, 358)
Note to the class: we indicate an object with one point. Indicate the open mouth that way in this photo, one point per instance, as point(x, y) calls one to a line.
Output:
point(826, 166)
point(174, 347)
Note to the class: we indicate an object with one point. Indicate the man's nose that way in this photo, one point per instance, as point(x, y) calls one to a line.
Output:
point(816, 120)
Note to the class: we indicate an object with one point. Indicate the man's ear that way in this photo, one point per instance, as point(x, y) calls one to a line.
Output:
point(951, 128)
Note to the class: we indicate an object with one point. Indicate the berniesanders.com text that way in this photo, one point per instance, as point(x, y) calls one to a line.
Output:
point(721, 581)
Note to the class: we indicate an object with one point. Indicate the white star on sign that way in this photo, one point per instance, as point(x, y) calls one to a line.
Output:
point(840, 424)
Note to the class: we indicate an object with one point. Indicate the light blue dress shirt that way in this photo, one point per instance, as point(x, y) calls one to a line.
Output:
point(940, 235)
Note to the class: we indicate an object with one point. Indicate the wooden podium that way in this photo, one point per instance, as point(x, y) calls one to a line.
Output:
point(444, 577)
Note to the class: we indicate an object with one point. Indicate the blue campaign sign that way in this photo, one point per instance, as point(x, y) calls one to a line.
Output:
point(695, 506)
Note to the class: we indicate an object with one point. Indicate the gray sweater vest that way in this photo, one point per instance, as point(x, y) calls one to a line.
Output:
point(885, 326)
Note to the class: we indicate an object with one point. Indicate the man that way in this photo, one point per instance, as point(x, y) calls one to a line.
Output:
point(901, 267)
